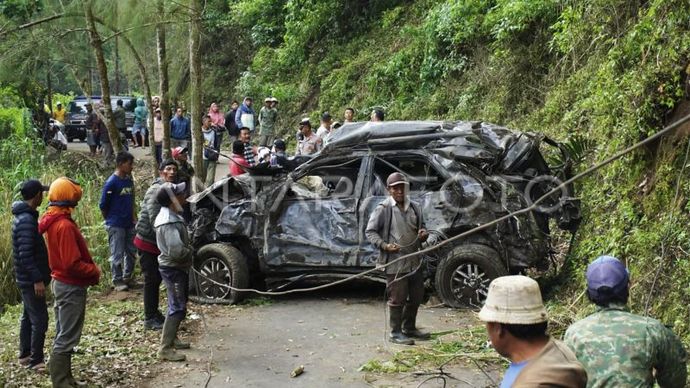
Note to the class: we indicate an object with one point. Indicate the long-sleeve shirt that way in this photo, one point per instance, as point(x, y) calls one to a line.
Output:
point(389, 224)
point(68, 255)
point(267, 121)
point(180, 128)
point(621, 349)
point(117, 201)
point(173, 240)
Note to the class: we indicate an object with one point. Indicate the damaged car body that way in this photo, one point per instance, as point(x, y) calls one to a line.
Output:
point(309, 223)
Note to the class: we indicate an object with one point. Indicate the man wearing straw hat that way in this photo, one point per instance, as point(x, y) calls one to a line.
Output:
point(516, 323)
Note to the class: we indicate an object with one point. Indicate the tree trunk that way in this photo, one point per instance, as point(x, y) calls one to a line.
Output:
point(97, 46)
point(144, 79)
point(163, 79)
point(195, 86)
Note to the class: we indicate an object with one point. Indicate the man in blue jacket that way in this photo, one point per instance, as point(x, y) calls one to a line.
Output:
point(245, 115)
point(32, 274)
point(117, 206)
point(180, 130)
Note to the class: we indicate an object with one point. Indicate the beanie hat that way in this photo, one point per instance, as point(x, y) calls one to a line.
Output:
point(64, 192)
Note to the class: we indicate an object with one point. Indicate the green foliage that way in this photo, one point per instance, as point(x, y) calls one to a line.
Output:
point(597, 74)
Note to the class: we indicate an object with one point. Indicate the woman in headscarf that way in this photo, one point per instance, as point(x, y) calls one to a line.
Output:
point(217, 116)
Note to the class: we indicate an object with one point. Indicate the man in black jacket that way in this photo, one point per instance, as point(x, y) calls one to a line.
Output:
point(32, 274)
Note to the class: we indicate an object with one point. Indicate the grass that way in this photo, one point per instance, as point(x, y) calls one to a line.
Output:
point(467, 345)
point(114, 350)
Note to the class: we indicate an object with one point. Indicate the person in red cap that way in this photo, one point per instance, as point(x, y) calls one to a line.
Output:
point(73, 271)
point(396, 228)
point(32, 274)
point(185, 170)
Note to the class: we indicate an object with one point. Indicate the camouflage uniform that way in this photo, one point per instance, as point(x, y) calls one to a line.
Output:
point(620, 349)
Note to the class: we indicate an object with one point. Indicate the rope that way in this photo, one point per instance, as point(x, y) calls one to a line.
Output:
point(476, 229)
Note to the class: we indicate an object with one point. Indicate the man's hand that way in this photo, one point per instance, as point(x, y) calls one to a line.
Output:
point(40, 289)
point(423, 235)
point(391, 248)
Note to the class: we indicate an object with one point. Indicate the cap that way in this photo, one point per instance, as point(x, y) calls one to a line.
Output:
point(279, 144)
point(157, 110)
point(268, 99)
point(395, 179)
point(58, 103)
point(606, 271)
point(325, 116)
point(177, 151)
point(305, 121)
point(273, 99)
point(30, 188)
point(336, 124)
point(514, 300)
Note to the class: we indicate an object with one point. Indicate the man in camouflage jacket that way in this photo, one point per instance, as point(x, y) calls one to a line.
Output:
point(618, 348)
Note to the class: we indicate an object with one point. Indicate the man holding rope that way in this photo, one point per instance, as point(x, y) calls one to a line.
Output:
point(396, 228)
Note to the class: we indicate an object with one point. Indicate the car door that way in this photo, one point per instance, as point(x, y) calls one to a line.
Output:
point(315, 222)
point(429, 187)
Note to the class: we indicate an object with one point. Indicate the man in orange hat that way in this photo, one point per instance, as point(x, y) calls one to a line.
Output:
point(72, 270)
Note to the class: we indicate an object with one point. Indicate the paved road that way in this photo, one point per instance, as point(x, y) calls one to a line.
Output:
point(222, 168)
point(331, 333)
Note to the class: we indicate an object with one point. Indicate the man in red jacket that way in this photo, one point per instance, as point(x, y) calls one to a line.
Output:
point(72, 270)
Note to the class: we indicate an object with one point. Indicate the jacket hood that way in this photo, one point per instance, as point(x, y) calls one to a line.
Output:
point(49, 219)
point(167, 216)
point(140, 102)
point(19, 207)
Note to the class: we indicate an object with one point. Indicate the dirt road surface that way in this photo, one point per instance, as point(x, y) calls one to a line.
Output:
point(331, 334)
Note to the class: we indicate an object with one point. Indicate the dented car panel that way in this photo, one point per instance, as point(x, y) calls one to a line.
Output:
point(463, 175)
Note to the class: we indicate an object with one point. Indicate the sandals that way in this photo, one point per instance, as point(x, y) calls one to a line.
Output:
point(39, 368)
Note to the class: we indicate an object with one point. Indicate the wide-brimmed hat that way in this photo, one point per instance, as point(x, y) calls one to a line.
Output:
point(514, 300)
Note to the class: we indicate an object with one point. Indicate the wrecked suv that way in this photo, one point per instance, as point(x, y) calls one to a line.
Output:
point(283, 226)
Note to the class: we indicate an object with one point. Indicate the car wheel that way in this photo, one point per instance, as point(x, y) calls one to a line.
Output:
point(70, 139)
point(82, 138)
point(463, 276)
point(224, 264)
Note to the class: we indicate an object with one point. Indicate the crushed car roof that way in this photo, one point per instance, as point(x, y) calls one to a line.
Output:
point(486, 145)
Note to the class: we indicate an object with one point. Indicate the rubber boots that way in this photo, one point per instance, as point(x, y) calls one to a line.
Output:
point(409, 323)
point(396, 336)
point(180, 345)
point(60, 371)
point(167, 350)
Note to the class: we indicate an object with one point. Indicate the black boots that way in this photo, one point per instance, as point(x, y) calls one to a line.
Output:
point(167, 350)
point(396, 317)
point(409, 323)
point(60, 370)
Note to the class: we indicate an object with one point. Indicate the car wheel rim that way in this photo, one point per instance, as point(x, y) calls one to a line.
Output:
point(215, 271)
point(470, 284)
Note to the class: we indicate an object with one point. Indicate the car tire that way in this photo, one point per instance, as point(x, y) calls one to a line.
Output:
point(224, 264)
point(82, 138)
point(70, 139)
point(463, 276)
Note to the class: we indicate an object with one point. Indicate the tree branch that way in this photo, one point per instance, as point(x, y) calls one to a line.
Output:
point(33, 23)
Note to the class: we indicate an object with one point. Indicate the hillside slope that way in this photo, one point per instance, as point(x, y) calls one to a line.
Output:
point(601, 72)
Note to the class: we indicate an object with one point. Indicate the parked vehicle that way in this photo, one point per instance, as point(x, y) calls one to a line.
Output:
point(75, 127)
point(309, 223)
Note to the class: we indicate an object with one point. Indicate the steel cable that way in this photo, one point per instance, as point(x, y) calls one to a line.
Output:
point(476, 229)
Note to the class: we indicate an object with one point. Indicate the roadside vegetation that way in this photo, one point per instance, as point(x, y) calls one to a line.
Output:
point(600, 73)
